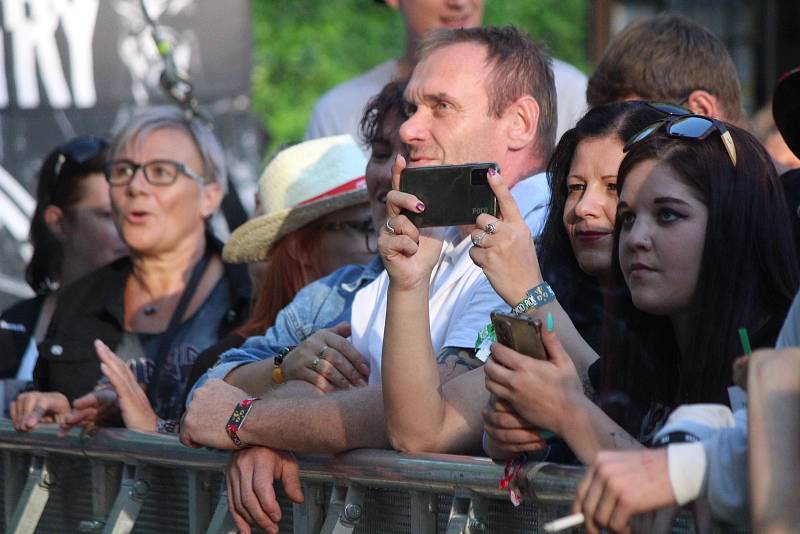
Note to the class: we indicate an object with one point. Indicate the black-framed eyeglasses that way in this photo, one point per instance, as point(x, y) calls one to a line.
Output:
point(365, 227)
point(79, 150)
point(159, 172)
point(682, 126)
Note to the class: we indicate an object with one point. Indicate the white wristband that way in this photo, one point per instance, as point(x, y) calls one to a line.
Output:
point(687, 470)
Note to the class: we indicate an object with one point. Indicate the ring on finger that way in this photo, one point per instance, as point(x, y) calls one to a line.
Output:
point(389, 228)
point(315, 364)
point(321, 353)
point(491, 228)
point(477, 239)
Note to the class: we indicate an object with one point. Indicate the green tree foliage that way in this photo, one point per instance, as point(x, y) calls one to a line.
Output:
point(302, 48)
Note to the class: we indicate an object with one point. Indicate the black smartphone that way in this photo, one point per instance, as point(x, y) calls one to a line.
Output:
point(453, 195)
point(519, 332)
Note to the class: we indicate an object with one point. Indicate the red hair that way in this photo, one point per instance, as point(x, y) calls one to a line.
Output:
point(290, 266)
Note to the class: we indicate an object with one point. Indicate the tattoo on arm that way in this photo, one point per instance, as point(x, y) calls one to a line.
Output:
point(454, 361)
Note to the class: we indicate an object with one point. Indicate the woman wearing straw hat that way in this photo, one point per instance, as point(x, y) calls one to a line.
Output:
point(315, 219)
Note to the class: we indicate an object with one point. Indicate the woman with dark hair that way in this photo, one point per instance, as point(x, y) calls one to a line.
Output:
point(703, 250)
point(575, 248)
point(71, 234)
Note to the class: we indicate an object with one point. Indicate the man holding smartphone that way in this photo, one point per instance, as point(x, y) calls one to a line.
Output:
point(477, 95)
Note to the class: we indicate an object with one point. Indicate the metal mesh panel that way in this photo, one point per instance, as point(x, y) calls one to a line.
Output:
point(166, 506)
point(70, 500)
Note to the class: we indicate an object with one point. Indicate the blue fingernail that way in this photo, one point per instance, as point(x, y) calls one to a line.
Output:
point(550, 324)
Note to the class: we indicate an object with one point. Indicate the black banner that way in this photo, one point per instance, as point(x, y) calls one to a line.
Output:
point(70, 67)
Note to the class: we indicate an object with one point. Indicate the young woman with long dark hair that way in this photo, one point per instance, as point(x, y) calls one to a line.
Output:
point(703, 250)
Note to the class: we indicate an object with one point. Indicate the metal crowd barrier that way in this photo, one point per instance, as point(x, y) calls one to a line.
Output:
point(118, 481)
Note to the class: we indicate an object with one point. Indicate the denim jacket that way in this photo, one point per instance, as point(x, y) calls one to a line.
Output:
point(321, 304)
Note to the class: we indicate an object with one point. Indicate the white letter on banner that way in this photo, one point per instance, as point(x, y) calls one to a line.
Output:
point(78, 19)
point(34, 40)
point(3, 79)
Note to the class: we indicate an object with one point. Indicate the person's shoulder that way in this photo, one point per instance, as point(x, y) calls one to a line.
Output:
point(110, 275)
point(347, 275)
point(531, 192)
point(566, 71)
point(361, 88)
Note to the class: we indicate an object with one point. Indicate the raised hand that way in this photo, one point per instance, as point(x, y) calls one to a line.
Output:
point(504, 247)
point(409, 254)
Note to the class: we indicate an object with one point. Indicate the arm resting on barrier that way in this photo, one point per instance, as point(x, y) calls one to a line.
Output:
point(332, 423)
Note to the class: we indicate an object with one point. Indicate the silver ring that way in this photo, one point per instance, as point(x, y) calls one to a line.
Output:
point(389, 227)
point(315, 364)
point(491, 228)
point(322, 351)
point(478, 239)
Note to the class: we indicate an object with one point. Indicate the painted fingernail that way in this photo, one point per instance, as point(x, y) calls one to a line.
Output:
point(491, 171)
point(549, 323)
point(420, 207)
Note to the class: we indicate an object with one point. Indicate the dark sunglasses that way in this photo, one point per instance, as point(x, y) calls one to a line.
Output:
point(80, 150)
point(683, 126)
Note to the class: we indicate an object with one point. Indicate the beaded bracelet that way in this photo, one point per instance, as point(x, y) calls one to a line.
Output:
point(536, 298)
point(237, 419)
point(277, 371)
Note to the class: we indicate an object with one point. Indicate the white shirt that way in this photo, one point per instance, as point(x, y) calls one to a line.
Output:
point(461, 297)
point(339, 110)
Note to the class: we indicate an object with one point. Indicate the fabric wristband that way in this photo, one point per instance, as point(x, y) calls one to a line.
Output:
point(686, 463)
point(237, 420)
point(536, 298)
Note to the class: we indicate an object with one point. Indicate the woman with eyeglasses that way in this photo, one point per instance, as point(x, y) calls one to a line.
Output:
point(314, 218)
point(148, 316)
point(71, 234)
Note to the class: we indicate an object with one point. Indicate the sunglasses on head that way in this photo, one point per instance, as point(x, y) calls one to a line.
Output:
point(685, 126)
point(80, 150)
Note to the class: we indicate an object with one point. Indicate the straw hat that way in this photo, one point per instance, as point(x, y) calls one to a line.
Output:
point(302, 184)
point(786, 109)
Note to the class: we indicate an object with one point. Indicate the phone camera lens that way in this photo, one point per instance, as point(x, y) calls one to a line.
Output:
point(478, 177)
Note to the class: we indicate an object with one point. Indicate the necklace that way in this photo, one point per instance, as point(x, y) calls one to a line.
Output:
point(150, 309)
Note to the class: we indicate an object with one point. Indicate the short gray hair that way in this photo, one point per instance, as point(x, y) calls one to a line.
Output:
point(149, 120)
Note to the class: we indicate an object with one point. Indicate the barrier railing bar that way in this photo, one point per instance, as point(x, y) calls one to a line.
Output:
point(33, 499)
point(435, 473)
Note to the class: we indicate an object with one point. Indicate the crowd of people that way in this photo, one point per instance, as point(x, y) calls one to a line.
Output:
point(639, 223)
